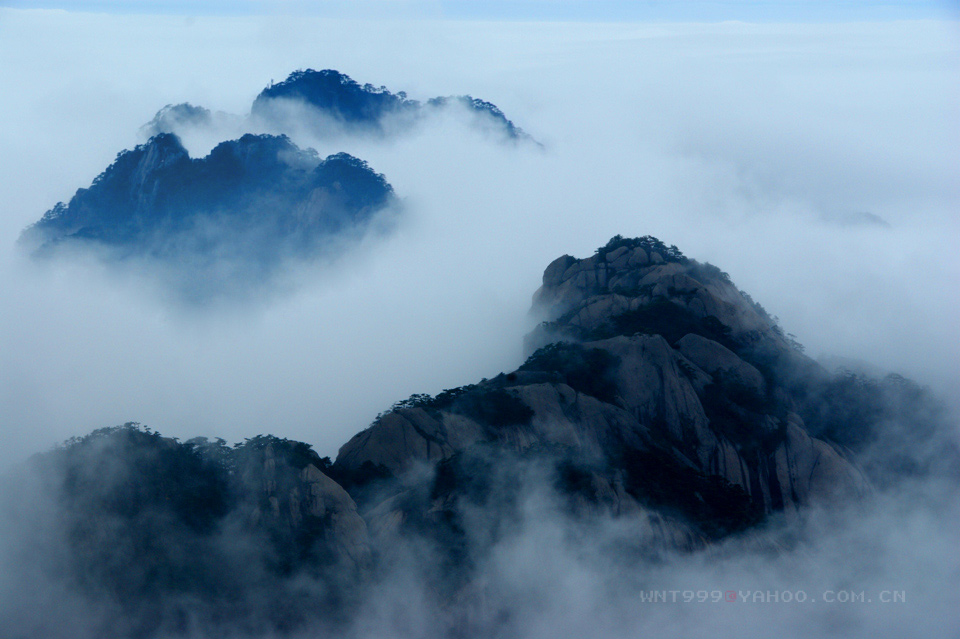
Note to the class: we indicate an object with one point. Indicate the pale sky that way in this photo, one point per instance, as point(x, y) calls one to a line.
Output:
point(552, 10)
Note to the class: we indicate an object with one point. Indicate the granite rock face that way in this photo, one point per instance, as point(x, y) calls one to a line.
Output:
point(659, 357)
point(585, 295)
point(664, 410)
point(289, 500)
point(645, 407)
point(722, 363)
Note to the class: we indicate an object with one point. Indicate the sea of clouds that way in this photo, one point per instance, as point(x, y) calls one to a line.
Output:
point(816, 164)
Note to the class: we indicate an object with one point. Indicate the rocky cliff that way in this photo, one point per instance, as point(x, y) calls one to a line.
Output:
point(659, 399)
point(656, 367)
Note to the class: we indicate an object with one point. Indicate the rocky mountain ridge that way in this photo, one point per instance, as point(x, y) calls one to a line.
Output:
point(654, 360)
point(663, 399)
point(221, 226)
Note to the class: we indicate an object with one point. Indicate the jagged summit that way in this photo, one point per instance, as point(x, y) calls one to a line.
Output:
point(336, 96)
point(647, 357)
point(669, 396)
point(248, 205)
point(610, 292)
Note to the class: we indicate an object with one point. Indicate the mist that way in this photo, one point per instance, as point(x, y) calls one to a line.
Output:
point(816, 164)
point(741, 144)
point(883, 566)
point(833, 574)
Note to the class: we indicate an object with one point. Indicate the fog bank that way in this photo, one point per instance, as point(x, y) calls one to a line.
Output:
point(765, 149)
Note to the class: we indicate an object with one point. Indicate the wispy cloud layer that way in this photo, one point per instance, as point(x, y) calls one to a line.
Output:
point(742, 144)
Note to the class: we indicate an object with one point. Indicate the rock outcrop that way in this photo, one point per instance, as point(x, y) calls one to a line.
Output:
point(295, 499)
point(658, 357)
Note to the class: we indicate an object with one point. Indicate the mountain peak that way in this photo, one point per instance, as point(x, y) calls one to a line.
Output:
point(346, 102)
point(335, 94)
point(224, 222)
point(677, 369)
point(641, 284)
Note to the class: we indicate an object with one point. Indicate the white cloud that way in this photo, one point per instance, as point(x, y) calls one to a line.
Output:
point(732, 141)
point(739, 143)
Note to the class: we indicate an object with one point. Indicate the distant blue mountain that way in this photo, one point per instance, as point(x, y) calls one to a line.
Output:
point(337, 95)
point(226, 223)
point(365, 107)
point(241, 210)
